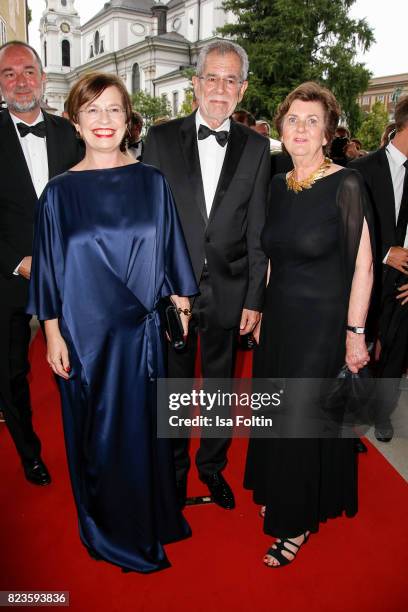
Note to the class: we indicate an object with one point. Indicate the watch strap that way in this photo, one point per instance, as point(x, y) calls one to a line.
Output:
point(356, 330)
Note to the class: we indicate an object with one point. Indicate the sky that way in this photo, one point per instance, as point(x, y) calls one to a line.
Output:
point(388, 19)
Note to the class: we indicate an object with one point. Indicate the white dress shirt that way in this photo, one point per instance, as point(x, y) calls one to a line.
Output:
point(396, 161)
point(35, 153)
point(212, 157)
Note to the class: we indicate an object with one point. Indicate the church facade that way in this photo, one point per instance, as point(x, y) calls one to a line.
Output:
point(148, 44)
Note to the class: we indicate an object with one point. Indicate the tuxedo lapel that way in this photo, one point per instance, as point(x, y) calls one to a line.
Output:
point(385, 197)
point(236, 143)
point(384, 181)
point(12, 150)
point(53, 145)
point(188, 137)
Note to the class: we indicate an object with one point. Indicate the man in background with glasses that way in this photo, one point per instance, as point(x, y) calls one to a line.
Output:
point(34, 147)
point(219, 173)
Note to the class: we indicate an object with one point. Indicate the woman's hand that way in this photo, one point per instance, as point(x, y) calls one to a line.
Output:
point(57, 351)
point(184, 304)
point(356, 352)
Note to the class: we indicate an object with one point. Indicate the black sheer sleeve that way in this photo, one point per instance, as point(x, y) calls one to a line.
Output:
point(354, 206)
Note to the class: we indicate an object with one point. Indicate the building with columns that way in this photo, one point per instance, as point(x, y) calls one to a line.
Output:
point(148, 44)
point(13, 20)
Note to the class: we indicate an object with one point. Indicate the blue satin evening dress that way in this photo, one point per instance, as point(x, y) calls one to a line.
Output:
point(108, 245)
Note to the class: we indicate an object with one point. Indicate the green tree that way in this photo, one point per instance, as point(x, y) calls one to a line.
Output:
point(150, 107)
point(373, 126)
point(292, 41)
point(187, 106)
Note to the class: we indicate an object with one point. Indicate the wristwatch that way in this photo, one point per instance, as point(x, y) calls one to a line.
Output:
point(356, 330)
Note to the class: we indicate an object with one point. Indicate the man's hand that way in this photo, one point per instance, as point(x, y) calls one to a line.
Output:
point(24, 269)
point(403, 294)
point(249, 320)
point(184, 304)
point(257, 331)
point(398, 259)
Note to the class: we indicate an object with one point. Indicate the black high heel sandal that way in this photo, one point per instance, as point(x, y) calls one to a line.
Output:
point(276, 553)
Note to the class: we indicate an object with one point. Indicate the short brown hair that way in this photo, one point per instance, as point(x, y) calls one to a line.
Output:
point(312, 92)
point(244, 116)
point(342, 132)
point(137, 119)
point(89, 87)
point(401, 114)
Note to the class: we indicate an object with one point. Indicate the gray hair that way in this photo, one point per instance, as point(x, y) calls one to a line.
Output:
point(222, 47)
point(20, 43)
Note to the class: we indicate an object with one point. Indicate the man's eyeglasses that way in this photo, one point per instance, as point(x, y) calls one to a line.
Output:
point(211, 80)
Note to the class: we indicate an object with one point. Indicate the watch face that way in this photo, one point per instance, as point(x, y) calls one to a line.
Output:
point(65, 27)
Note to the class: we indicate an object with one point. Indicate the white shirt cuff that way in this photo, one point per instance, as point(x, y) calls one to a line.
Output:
point(15, 271)
point(386, 257)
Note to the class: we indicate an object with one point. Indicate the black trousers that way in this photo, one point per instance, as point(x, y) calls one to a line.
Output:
point(218, 351)
point(14, 390)
point(394, 352)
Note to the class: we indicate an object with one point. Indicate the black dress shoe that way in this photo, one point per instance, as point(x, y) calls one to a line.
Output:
point(220, 490)
point(36, 472)
point(181, 490)
point(359, 446)
point(384, 433)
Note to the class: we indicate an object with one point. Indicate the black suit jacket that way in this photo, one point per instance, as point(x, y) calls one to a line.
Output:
point(376, 172)
point(230, 238)
point(18, 197)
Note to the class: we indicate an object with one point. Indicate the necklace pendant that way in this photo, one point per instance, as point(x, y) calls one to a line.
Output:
point(296, 186)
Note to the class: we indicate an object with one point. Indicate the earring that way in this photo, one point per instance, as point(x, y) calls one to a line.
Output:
point(127, 138)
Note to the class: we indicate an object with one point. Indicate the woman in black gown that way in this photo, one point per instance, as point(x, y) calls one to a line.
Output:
point(318, 241)
point(108, 246)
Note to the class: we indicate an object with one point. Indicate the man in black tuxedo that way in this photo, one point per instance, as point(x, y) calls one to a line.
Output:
point(34, 146)
point(219, 173)
point(386, 176)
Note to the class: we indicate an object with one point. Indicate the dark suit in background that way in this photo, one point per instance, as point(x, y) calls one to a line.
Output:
point(375, 170)
point(280, 163)
point(224, 248)
point(386, 313)
point(17, 206)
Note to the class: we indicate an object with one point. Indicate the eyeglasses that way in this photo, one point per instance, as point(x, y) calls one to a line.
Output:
point(211, 81)
point(308, 123)
point(95, 111)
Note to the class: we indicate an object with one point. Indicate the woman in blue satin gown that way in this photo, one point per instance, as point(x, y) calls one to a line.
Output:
point(108, 246)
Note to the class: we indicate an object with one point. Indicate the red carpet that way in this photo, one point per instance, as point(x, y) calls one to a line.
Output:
point(353, 565)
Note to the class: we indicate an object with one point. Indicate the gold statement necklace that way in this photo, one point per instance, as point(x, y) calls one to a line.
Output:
point(296, 186)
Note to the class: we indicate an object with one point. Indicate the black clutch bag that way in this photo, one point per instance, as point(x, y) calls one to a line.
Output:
point(349, 397)
point(172, 324)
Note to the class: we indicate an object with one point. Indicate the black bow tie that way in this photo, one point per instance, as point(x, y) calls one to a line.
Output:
point(221, 137)
point(38, 129)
